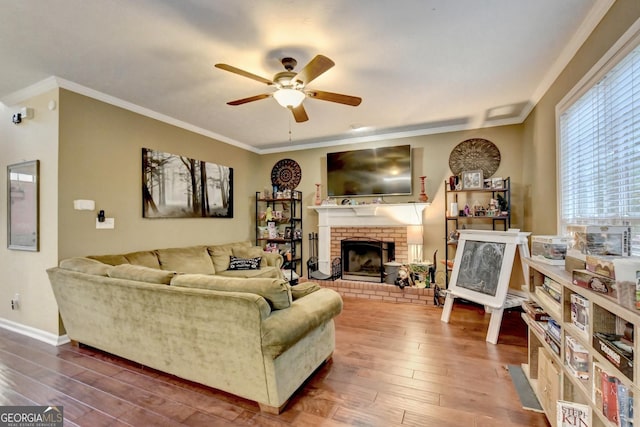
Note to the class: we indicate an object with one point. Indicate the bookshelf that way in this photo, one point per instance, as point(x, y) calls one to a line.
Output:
point(582, 315)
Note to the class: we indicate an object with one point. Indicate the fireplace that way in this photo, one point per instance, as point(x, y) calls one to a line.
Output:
point(384, 222)
point(363, 259)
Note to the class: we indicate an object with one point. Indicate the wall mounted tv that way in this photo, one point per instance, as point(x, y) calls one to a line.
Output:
point(370, 172)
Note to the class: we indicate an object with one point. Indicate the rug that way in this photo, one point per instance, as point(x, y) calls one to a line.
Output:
point(523, 387)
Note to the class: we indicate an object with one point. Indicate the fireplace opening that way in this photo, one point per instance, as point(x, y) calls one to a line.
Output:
point(363, 259)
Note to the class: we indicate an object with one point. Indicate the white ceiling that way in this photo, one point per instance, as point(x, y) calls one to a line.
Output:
point(420, 66)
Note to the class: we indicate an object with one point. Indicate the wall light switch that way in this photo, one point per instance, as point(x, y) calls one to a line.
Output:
point(109, 223)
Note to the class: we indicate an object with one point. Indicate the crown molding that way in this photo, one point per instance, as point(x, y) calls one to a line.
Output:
point(53, 82)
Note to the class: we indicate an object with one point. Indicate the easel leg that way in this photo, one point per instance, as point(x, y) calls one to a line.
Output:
point(494, 325)
point(448, 305)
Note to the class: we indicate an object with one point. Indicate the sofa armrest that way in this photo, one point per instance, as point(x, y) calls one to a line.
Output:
point(283, 328)
point(274, 259)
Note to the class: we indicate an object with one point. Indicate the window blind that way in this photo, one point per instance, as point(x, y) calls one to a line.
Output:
point(599, 152)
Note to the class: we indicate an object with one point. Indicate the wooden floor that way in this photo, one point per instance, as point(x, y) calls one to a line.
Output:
point(394, 365)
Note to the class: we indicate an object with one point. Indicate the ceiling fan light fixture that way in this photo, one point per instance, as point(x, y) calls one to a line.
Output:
point(289, 98)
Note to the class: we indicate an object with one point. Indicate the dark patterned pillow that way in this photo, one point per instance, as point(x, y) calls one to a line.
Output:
point(236, 263)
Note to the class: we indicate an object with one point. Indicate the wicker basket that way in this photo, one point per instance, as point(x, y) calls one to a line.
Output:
point(626, 294)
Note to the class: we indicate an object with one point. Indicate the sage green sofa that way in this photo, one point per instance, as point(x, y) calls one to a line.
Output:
point(257, 338)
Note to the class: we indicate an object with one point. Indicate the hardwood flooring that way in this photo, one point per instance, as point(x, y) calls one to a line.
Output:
point(394, 365)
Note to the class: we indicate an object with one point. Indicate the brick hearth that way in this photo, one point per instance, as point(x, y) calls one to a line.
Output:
point(379, 291)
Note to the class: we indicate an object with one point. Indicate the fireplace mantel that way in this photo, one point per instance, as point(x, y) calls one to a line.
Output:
point(369, 215)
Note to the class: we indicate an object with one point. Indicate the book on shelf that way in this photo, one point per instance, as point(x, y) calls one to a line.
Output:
point(553, 328)
point(572, 414)
point(535, 312)
point(553, 343)
point(616, 351)
point(553, 288)
point(612, 397)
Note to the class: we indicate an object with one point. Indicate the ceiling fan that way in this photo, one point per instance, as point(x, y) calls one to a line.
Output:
point(292, 86)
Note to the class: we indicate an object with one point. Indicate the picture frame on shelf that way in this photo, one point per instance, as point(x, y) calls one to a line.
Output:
point(288, 233)
point(472, 180)
point(497, 183)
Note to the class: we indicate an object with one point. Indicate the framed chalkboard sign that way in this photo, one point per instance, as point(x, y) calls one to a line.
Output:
point(481, 272)
point(482, 266)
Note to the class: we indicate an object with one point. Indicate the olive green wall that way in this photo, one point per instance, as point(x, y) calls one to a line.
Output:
point(100, 159)
point(92, 150)
point(539, 173)
point(430, 158)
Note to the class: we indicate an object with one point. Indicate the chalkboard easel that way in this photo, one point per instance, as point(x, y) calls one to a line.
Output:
point(482, 269)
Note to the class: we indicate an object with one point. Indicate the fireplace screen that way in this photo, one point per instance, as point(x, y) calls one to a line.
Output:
point(364, 259)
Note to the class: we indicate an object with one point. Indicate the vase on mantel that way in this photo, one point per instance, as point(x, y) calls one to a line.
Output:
point(423, 196)
point(318, 200)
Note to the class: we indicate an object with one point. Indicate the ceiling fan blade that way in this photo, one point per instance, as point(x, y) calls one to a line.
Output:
point(243, 73)
point(299, 114)
point(318, 65)
point(334, 97)
point(250, 99)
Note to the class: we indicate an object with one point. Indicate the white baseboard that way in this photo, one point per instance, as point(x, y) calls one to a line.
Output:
point(31, 332)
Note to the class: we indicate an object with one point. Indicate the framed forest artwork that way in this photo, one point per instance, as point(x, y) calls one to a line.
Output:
point(176, 186)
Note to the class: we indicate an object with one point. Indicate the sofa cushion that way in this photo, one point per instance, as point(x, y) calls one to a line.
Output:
point(193, 259)
point(268, 272)
point(303, 289)
point(220, 254)
point(142, 274)
point(250, 252)
point(144, 258)
point(236, 263)
point(277, 292)
point(110, 259)
point(284, 328)
point(86, 265)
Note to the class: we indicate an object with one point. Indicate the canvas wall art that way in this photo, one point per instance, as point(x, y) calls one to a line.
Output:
point(176, 186)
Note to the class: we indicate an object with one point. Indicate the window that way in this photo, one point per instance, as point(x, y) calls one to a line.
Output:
point(599, 148)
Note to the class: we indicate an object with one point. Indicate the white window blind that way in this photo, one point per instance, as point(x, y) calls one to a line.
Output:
point(599, 151)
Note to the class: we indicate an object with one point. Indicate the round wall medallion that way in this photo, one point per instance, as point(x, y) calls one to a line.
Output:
point(286, 174)
point(474, 154)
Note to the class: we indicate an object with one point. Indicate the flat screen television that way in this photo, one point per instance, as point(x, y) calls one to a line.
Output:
point(370, 172)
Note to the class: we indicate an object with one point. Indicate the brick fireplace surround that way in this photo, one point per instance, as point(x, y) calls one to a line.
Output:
point(378, 222)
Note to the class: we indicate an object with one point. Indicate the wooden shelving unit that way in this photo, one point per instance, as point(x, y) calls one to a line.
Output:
point(290, 245)
point(468, 197)
point(549, 373)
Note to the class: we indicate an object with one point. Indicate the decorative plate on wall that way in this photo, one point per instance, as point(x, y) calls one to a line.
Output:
point(286, 174)
point(474, 154)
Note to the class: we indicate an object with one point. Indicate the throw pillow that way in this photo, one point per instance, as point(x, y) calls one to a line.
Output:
point(236, 263)
point(193, 259)
point(303, 289)
point(110, 259)
point(250, 252)
point(145, 258)
point(220, 257)
point(142, 274)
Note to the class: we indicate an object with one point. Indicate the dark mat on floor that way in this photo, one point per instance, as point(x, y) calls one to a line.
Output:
point(525, 392)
